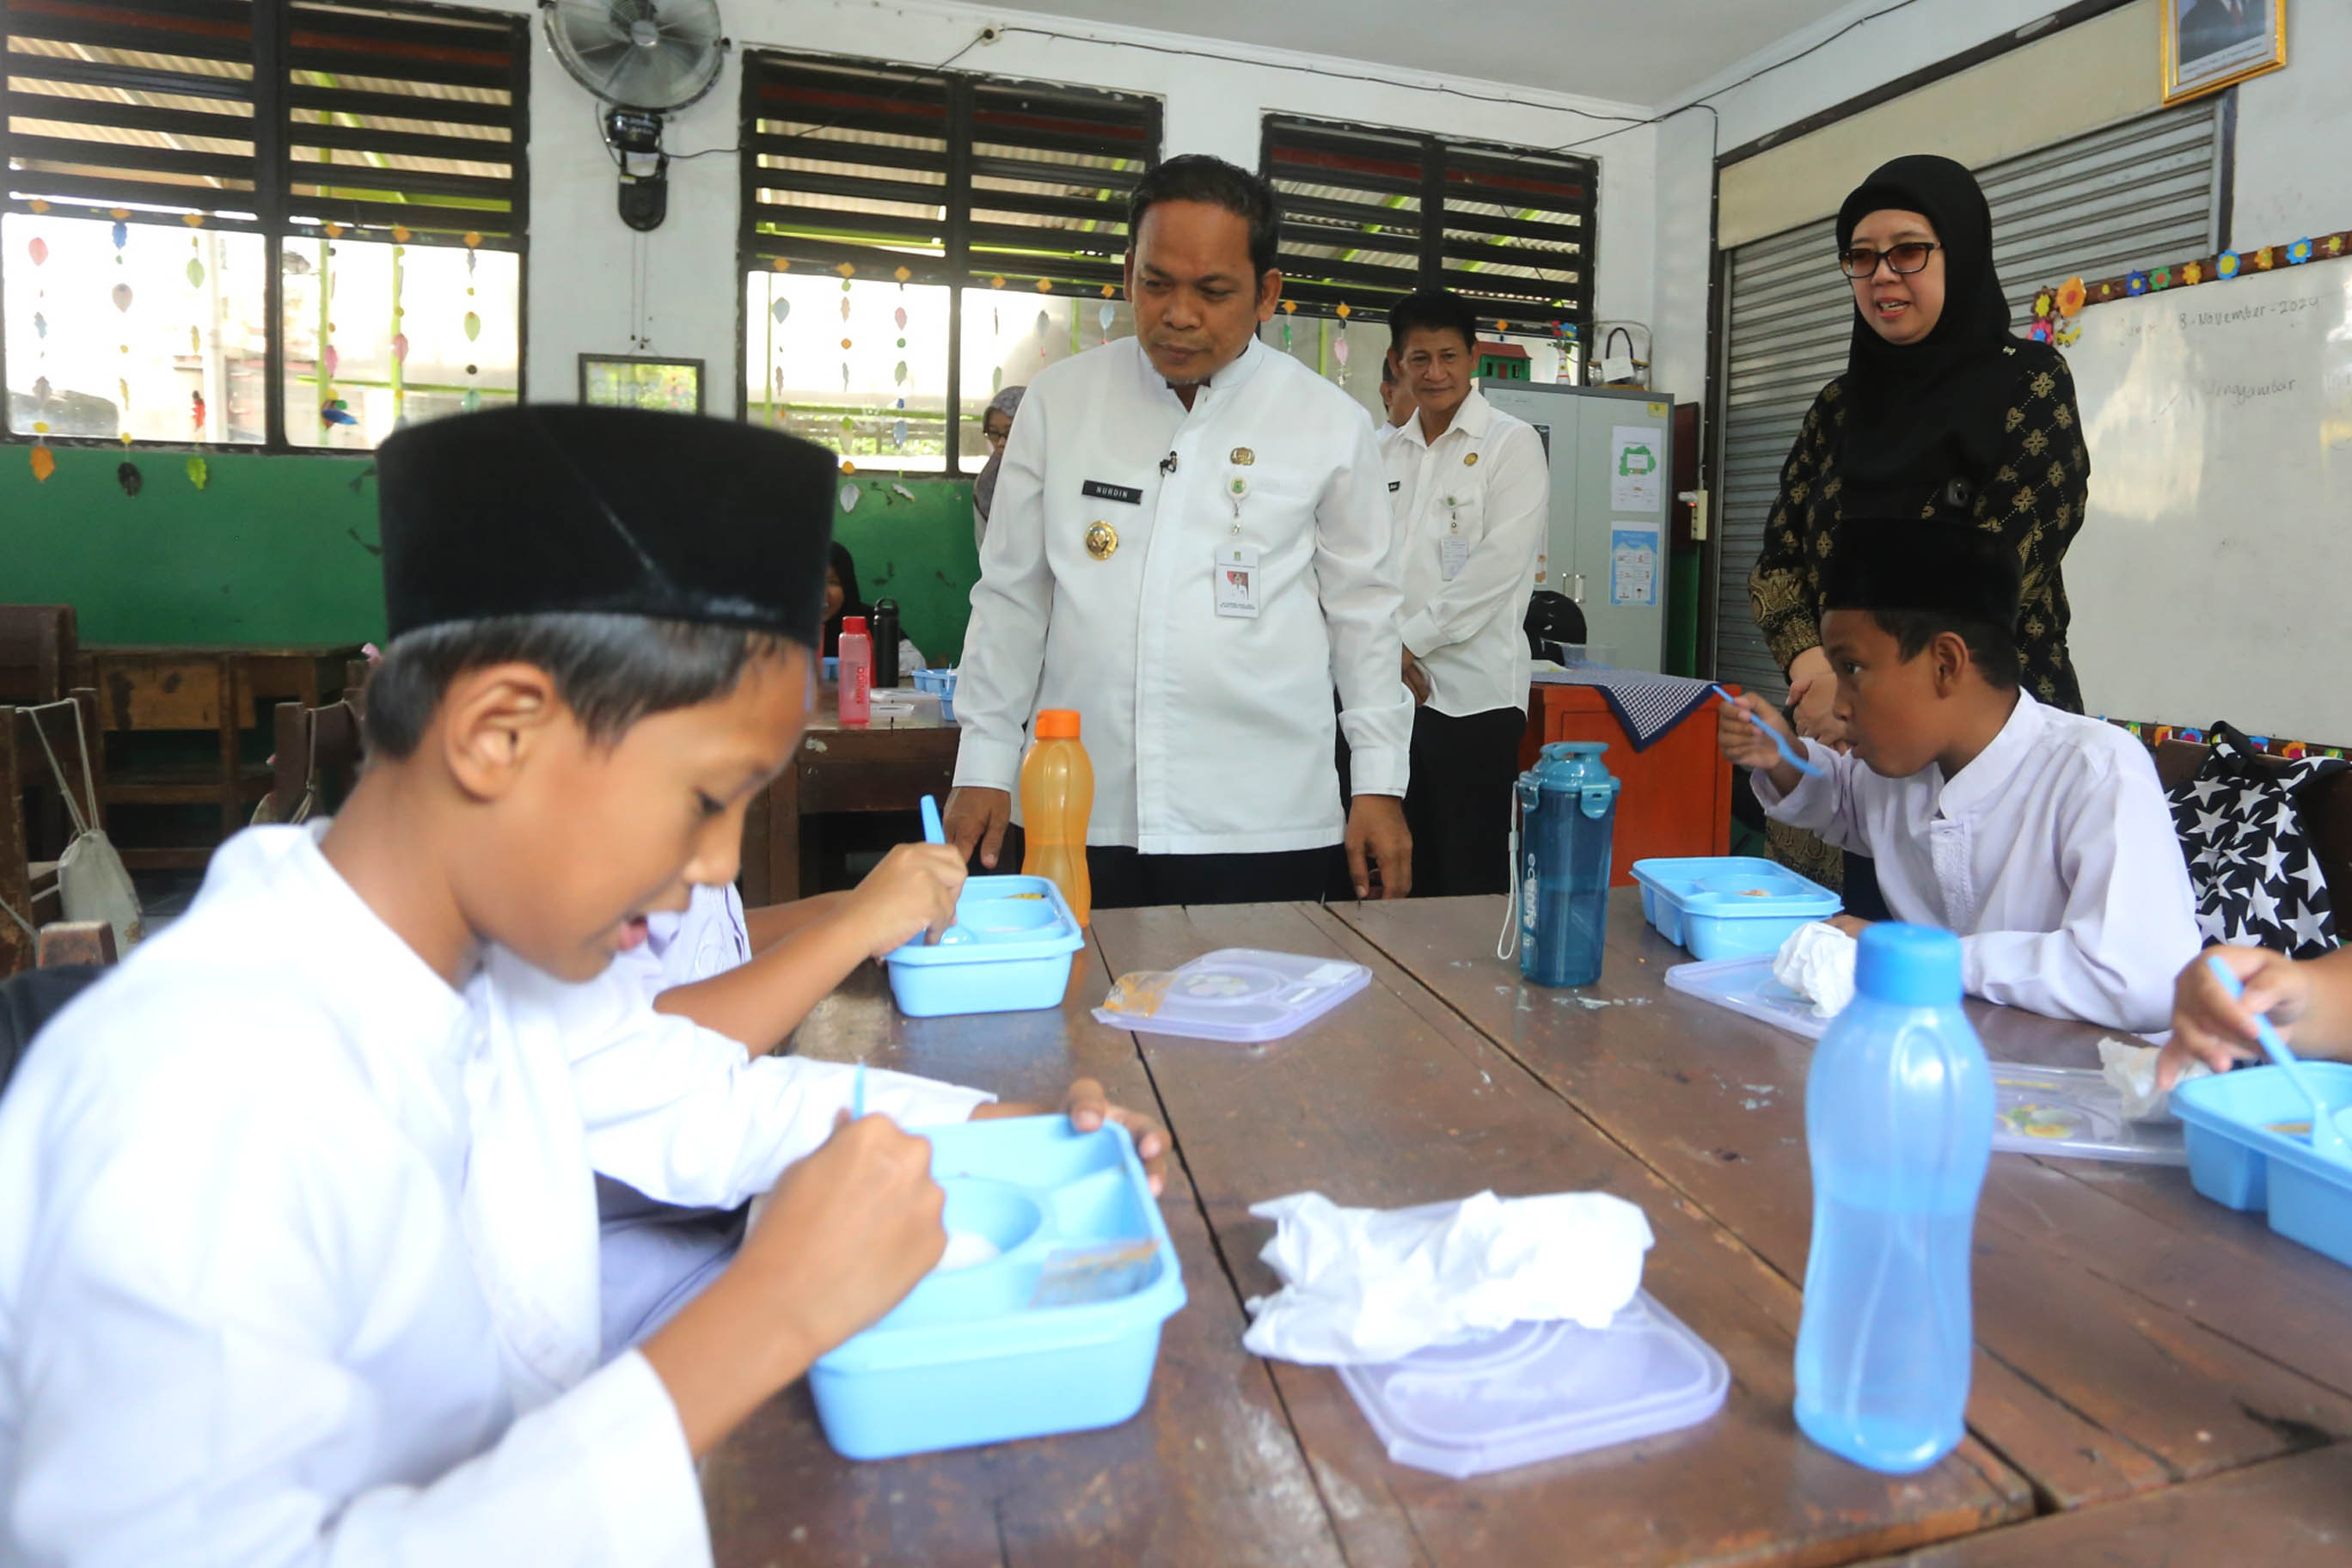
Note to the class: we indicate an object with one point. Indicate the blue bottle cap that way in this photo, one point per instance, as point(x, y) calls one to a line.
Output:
point(1911, 966)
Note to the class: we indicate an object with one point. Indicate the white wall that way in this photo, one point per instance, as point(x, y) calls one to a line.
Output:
point(595, 287)
point(2288, 181)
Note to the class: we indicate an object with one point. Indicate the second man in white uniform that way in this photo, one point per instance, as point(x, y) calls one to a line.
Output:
point(1471, 487)
point(1190, 547)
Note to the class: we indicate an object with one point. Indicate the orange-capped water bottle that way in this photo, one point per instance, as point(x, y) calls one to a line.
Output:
point(1057, 797)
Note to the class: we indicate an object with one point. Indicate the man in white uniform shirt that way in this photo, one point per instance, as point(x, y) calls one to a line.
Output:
point(1191, 548)
point(1471, 487)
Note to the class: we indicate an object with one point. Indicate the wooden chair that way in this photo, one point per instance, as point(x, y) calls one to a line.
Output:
point(317, 758)
point(69, 944)
point(2323, 806)
point(38, 651)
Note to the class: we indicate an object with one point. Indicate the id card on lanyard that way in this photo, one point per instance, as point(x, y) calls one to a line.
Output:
point(1234, 581)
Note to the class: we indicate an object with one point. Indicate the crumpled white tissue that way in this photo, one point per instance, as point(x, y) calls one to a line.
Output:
point(1370, 1285)
point(2132, 1070)
point(1817, 963)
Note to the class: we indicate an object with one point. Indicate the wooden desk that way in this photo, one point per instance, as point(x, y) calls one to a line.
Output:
point(221, 690)
point(2138, 1347)
point(1677, 796)
point(887, 765)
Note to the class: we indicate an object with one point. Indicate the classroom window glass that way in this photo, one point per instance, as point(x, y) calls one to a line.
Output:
point(156, 256)
point(380, 335)
point(1008, 338)
point(860, 367)
point(160, 337)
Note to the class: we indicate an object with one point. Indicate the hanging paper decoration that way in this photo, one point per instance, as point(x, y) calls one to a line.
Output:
point(844, 378)
point(473, 326)
point(400, 348)
point(38, 250)
point(1106, 315)
point(122, 296)
point(845, 307)
point(1044, 286)
point(902, 490)
point(897, 433)
point(41, 389)
point(779, 310)
point(1110, 290)
point(336, 411)
point(197, 412)
point(331, 360)
point(902, 275)
point(121, 234)
point(472, 402)
point(195, 273)
point(850, 494)
point(124, 388)
point(44, 465)
point(899, 316)
point(900, 374)
point(200, 473)
point(847, 271)
point(40, 324)
point(127, 475)
point(1339, 346)
point(996, 381)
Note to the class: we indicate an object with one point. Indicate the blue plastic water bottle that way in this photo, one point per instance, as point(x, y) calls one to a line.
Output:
point(1567, 816)
point(1898, 1119)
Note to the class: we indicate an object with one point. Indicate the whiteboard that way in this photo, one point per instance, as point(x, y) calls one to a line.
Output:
point(2212, 578)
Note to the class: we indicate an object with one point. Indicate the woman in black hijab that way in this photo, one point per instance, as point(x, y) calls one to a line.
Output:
point(1941, 411)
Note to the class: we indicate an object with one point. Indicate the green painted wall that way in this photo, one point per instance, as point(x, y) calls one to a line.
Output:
point(280, 548)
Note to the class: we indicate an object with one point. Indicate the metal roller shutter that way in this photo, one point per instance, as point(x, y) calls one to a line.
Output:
point(2133, 195)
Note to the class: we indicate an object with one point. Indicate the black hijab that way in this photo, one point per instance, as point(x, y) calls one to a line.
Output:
point(1919, 415)
point(851, 605)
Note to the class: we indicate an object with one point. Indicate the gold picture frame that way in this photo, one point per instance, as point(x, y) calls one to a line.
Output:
point(2209, 44)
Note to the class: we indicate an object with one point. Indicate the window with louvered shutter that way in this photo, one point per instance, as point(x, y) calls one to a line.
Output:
point(409, 118)
point(131, 106)
point(190, 182)
point(1371, 214)
point(912, 241)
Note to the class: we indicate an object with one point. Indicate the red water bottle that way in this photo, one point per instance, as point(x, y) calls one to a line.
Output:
point(857, 685)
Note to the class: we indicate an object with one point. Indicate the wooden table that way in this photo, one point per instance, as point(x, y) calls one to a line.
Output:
point(888, 765)
point(223, 690)
point(2157, 1378)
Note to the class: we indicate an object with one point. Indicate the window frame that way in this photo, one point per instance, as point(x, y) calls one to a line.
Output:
point(274, 48)
point(954, 268)
point(1437, 154)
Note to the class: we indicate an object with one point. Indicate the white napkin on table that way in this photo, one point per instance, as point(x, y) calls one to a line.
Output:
point(2131, 1069)
point(1817, 963)
point(1371, 1285)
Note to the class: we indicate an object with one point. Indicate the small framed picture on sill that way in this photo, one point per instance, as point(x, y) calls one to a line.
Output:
point(2210, 43)
point(634, 381)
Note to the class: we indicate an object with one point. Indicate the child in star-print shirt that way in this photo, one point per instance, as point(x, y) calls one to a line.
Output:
point(2310, 1002)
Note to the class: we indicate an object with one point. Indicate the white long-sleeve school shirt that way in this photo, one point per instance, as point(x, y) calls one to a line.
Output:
point(1208, 732)
point(298, 1258)
point(1470, 509)
point(2052, 855)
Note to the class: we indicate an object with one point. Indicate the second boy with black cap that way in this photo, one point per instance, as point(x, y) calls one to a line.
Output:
point(2042, 837)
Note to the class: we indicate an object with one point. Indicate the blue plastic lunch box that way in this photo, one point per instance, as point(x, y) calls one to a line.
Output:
point(2239, 1156)
point(1010, 952)
point(967, 1357)
point(1729, 906)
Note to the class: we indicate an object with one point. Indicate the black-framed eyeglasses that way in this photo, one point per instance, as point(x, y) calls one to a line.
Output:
point(1911, 255)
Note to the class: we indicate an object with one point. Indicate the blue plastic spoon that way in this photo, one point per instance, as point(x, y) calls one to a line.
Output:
point(935, 833)
point(1789, 754)
point(2327, 1138)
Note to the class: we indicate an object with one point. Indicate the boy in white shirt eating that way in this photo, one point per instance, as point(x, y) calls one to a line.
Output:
point(2041, 838)
point(299, 1260)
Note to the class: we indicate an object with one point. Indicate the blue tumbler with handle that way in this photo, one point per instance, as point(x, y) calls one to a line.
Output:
point(1568, 818)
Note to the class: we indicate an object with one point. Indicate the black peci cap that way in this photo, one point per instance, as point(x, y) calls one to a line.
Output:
point(549, 507)
point(1954, 569)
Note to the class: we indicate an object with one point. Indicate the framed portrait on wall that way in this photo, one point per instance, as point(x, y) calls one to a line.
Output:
point(632, 380)
point(2210, 44)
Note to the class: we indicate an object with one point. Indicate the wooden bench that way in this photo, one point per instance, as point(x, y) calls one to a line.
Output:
point(2324, 805)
